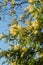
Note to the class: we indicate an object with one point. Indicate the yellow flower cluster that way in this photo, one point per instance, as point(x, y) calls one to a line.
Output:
point(12, 2)
point(24, 50)
point(41, 55)
point(35, 32)
point(30, 8)
point(35, 24)
point(31, 0)
point(41, 1)
point(15, 29)
point(17, 47)
point(20, 29)
point(33, 28)
point(13, 32)
point(13, 63)
point(28, 27)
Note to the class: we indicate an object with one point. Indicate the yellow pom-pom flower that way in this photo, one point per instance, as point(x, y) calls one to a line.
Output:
point(29, 28)
point(20, 29)
point(31, 8)
point(24, 49)
point(13, 32)
point(13, 63)
point(41, 55)
point(1, 36)
point(17, 47)
point(35, 24)
point(31, 0)
point(41, 1)
point(35, 32)
point(12, 2)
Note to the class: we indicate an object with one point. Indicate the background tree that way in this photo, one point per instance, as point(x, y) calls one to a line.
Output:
point(26, 38)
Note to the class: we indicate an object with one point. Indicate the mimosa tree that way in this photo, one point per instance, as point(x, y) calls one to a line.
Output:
point(26, 38)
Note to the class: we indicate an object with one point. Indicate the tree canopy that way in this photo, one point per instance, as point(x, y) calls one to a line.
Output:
point(25, 32)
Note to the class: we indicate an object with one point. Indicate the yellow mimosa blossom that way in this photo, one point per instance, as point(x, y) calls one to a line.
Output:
point(35, 31)
point(20, 28)
point(12, 2)
point(35, 24)
point(24, 49)
point(31, 8)
point(13, 63)
point(1, 36)
point(41, 55)
point(31, 0)
point(17, 47)
point(41, 1)
point(29, 28)
point(13, 31)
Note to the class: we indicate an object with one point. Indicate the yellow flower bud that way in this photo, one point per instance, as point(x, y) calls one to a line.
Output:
point(13, 2)
point(29, 28)
point(19, 27)
point(35, 24)
point(24, 49)
point(31, 0)
point(31, 8)
point(41, 55)
point(35, 31)
point(17, 47)
point(13, 63)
